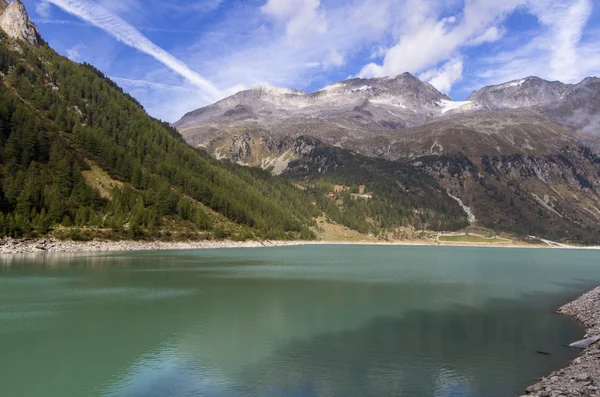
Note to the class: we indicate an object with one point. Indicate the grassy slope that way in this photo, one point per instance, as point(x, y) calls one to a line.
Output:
point(473, 239)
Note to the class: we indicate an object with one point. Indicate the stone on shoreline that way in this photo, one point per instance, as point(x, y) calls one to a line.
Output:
point(582, 376)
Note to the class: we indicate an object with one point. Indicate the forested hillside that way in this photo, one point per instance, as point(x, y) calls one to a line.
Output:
point(373, 195)
point(79, 153)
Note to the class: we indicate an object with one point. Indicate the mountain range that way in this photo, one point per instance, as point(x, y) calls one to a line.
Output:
point(519, 156)
point(362, 108)
point(385, 157)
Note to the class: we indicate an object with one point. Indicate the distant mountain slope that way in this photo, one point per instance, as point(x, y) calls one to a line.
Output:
point(394, 197)
point(363, 108)
point(530, 91)
point(576, 106)
point(515, 153)
point(579, 110)
point(516, 170)
point(378, 103)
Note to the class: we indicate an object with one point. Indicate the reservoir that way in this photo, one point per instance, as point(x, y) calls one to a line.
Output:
point(322, 320)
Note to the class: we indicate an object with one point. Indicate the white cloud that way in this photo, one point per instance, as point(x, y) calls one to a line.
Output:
point(279, 53)
point(120, 6)
point(52, 21)
point(300, 16)
point(43, 9)
point(494, 33)
point(378, 51)
point(333, 59)
point(148, 84)
point(444, 78)
point(74, 53)
point(127, 34)
point(565, 21)
point(426, 39)
point(429, 43)
point(557, 51)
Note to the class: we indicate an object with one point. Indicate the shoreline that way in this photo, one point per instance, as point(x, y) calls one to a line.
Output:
point(10, 246)
point(582, 376)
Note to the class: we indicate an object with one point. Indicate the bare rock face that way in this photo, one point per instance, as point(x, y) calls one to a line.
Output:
point(576, 106)
point(389, 102)
point(358, 111)
point(530, 91)
point(16, 23)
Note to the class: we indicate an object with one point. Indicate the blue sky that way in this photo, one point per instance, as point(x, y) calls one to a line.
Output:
point(175, 56)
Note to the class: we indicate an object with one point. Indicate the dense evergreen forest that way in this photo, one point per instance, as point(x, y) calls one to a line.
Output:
point(58, 117)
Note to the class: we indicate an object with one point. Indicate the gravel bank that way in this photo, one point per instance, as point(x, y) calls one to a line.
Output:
point(582, 376)
point(18, 246)
point(28, 246)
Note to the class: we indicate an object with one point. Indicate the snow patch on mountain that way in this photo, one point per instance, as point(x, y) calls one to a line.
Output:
point(515, 83)
point(363, 88)
point(272, 90)
point(331, 87)
point(453, 105)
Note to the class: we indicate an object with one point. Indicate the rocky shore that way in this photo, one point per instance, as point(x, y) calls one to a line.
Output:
point(582, 376)
point(27, 246)
point(22, 246)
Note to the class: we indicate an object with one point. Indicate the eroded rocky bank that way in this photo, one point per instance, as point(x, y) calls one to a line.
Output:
point(22, 246)
point(582, 376)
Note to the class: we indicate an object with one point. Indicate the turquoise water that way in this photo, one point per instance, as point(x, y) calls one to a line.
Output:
point(294, 321)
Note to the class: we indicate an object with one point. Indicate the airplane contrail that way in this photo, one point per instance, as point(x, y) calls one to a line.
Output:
point(114, 25)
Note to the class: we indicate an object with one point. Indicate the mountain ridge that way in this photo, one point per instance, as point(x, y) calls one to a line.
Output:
point(515, 153)
point(365, 105)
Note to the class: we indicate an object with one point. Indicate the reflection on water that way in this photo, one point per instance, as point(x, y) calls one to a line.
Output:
point(295, 321)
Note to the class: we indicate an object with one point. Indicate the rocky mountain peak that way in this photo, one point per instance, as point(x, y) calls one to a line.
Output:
point(590, 81)
point(403, 88)
point(15, 21)
point(526, 92)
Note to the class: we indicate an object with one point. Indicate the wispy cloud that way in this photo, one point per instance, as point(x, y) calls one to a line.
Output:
point(290, 42)
point(74, 53)
point(558, 51)
point(127, 34)
point(456, 45)
point(52, 21)
point(43, 9)
point(428, 37)
point(152, 85)
point(299, 16)
point(48, 21)
point(445, 77)
point(430, 42)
